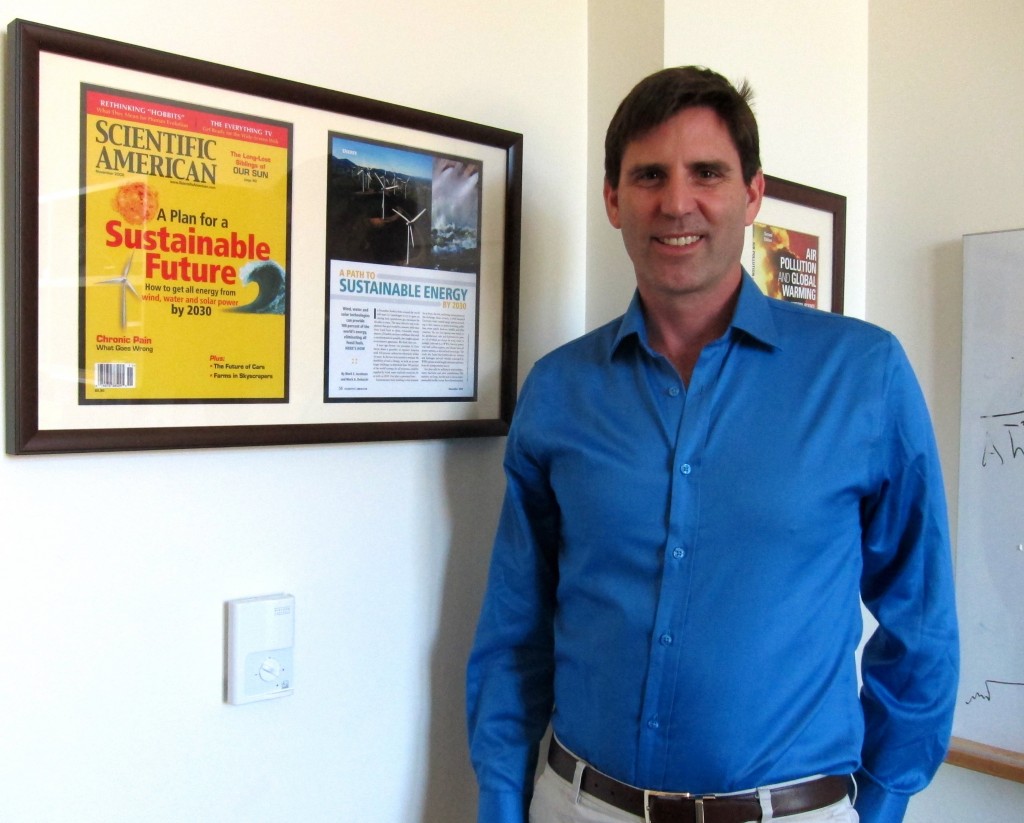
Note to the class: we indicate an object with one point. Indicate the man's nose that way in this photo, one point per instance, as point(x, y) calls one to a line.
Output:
point(677, 197)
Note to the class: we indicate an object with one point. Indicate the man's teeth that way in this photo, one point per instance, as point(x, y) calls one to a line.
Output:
point(680, 241)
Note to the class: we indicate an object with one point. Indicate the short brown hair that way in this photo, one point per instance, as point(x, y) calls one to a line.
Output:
point(665, 93)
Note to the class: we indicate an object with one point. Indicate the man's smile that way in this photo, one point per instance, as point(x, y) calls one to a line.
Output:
point(679, 240)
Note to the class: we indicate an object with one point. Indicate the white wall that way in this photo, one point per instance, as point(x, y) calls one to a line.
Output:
point(113, 631)
point(807, 63)
point(946, 137)
point(116, 567)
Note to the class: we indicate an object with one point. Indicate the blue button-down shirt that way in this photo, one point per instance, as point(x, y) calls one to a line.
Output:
point(678, 570)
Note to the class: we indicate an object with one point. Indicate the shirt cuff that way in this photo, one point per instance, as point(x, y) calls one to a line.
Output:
point(503, 807)
point(875, 804)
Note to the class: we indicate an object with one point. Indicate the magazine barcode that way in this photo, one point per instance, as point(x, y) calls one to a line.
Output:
point(115, 376)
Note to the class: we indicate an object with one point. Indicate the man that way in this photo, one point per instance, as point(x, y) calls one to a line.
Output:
point(700, 493)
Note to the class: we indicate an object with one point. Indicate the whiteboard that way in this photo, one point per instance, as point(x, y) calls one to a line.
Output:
point(990, 536)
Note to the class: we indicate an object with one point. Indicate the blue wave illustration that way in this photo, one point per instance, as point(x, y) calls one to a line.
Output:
point(269, 277)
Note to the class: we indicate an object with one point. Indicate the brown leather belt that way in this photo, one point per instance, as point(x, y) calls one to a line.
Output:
point(688, 808)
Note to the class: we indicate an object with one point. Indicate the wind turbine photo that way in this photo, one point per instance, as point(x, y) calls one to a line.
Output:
point(410, 240)
point(443, 192)
point(126, 287)
point(384, 189)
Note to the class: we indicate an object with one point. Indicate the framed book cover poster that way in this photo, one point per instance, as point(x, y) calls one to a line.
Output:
point(796, 248)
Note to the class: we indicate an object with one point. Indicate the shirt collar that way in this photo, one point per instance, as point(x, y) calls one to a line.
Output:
point(753, 316)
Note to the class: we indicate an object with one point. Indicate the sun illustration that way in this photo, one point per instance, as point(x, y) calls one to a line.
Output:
point(137, 203)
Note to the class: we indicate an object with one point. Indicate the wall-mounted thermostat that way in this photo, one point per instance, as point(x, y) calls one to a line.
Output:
point(261, 633)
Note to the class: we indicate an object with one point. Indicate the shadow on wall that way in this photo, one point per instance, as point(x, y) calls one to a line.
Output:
point(946, 282)
point(474, 485)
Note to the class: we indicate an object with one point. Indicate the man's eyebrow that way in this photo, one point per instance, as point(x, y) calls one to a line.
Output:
point(644, 168)
point(716, 166)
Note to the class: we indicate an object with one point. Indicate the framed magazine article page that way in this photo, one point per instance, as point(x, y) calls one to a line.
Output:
point(201, 256)
point(796, 248)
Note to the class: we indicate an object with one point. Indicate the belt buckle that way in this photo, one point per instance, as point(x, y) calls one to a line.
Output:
point(698, 803)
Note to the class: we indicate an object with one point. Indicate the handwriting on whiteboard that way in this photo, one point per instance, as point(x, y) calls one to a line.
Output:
point(987, 694)
point(1004, 438)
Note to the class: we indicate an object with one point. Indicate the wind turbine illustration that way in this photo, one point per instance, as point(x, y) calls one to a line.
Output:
point(363, 176)
point(410, 241)
point(126, 287)
point(384, 189)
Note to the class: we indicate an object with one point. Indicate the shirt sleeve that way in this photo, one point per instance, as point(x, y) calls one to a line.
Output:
point(910, 665)
point(510, 672)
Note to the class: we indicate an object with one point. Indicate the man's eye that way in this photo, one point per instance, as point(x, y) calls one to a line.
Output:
point(649, 176)
point(709, 174)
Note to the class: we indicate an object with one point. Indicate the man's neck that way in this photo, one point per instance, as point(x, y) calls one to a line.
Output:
point(680, 328)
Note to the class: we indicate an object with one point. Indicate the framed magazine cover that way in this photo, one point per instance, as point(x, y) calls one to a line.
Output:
point(200, 256)
point(796, 249)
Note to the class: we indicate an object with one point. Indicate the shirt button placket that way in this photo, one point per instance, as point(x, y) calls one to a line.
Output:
point(665, 649)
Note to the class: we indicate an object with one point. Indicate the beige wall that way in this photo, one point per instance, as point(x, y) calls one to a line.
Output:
point(622, 49)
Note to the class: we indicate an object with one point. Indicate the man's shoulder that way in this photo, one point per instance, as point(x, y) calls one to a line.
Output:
point(797, 322)
point(593, 347)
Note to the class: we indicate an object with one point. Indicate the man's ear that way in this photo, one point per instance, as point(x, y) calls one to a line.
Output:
point(755, 194)
point(611, 203)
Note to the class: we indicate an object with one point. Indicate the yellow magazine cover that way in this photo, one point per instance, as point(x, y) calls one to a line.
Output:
point(786, 264)
point(184, 253)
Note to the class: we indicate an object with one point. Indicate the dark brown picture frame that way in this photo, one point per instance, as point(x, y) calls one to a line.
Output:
point(817, 206)
point(25, 123)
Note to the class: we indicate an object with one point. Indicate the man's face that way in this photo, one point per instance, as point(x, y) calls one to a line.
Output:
point(682, 206)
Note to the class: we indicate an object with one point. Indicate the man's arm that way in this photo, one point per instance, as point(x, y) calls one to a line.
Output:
point(911, 663)
point(510, 672)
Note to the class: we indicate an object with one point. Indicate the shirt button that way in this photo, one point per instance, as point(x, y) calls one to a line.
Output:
point(666, 639)
point(674, 391)
point(685, 468)
point(679, 552)
point(653, 723)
